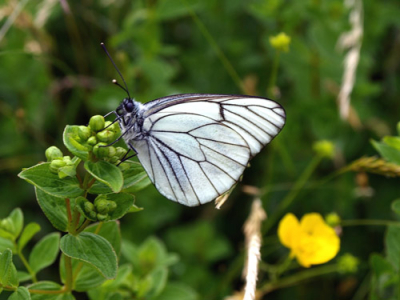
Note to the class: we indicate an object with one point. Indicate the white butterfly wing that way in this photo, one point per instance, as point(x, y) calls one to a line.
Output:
point(199, 145)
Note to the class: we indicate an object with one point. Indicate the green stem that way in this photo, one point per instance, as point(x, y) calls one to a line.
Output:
point(297, 278)
point(68, 273)
point(74, 222)
point(369, 223)
point(284, 204)
point(27, 266)
point(274, 73)
point(83, 226)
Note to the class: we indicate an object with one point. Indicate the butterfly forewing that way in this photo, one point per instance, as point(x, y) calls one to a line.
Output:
point(195, 147)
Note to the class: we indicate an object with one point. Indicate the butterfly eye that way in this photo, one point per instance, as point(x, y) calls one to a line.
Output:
point(128, 105)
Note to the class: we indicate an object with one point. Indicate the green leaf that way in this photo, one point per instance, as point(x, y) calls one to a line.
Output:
point(110, 231)
point(54, 208)
point(29, 231)
point(124, 203)
point(49, 245)
point(158, 279)
point(379, 265)
point(392, 242)
point(23, 276)
point(92, 249)
point(395, 206)
point(41, 177)
point(74, 144)
point(135, 179)
point(49, 286)
point(135, 208)
point(123, 272)
point(17, 218)
point(392, 141)
point(6, 243)
point(387, 152)
point(106, 173)
point(148, 257)
point(177, 291)
point(21, 293)
point(8, 272)
point(10, 227)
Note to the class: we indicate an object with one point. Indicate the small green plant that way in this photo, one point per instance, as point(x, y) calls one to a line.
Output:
point(84, 196)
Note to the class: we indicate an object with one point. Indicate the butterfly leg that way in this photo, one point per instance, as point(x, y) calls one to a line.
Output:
point(124, 158)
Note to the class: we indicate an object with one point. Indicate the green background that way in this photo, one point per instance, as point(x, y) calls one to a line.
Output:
point(53, 72)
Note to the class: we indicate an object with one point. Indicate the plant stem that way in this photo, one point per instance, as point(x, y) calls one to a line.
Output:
point(369, 223)
point(274, 73)
point(68, 273)
point(27, 266)
point(297, 278)
point(299, 184)
point(83, 226)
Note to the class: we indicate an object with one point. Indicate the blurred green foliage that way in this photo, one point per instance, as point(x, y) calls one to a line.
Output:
point(53, 73)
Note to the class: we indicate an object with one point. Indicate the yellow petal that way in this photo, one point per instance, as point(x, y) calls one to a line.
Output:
point(316, 242)
point(310, 222)
point(288, 227)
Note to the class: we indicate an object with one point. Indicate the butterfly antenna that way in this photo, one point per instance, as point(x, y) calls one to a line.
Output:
point(116, 68)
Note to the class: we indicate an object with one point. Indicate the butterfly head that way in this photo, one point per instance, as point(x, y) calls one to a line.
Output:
point(127, 106)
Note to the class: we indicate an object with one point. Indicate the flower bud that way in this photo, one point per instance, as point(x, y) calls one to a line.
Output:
point(89, 207)
point(114, 159)
point(112, 206)
point(53, 153)
point(280, 42)
point(56, 164)
point(124, 166)
point(120, 152)
point(92, 141)
point(67, 171)
point(100, 151)
point(348, 263)
point(115, 128)
point(324, 148)
point(84, 133)
point(332, 219)
point(97, 123)
point(102, 206)
point(93, 215)
point(67, 159)
point(106, 136)
point(102, 217)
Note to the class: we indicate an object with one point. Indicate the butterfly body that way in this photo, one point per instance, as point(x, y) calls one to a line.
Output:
point(195, 147)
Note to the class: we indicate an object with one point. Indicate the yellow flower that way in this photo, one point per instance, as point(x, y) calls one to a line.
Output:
point(311, 240)
point(280, 42)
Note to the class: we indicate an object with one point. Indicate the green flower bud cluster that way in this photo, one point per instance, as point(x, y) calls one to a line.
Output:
point(98, 135)
point(101, 208)
point(60, 164)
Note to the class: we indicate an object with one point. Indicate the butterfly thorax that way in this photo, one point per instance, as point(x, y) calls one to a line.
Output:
point(130, 113)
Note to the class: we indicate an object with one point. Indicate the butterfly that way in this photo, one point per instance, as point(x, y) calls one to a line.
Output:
point(195, 147)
